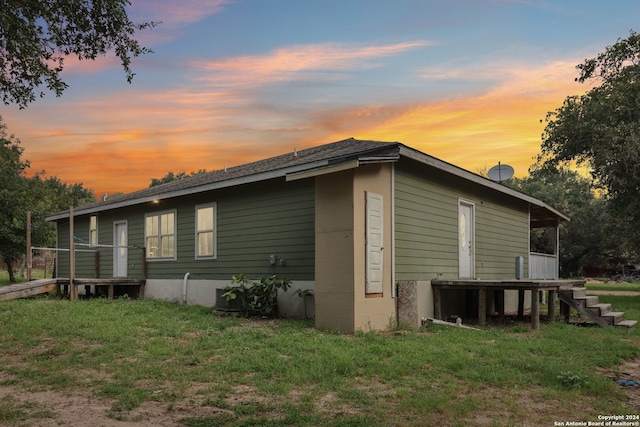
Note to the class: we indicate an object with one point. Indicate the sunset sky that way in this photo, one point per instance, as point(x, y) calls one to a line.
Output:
point(235, 81)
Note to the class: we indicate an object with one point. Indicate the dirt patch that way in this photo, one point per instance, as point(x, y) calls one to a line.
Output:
point(627, 376)
point(495, 405)
point(50, 408)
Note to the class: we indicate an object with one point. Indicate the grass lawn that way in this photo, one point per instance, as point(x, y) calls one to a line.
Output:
point(35, 274)
point(94, 362)
point(623, 286)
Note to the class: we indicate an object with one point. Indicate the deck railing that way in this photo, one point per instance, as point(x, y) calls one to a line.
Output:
point(543, 266)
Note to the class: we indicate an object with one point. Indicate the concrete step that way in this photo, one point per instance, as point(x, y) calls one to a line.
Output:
point(627, 324)
point(613, 317)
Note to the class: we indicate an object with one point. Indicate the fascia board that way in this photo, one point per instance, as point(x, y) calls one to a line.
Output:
point(477, 179)
point(323, 170)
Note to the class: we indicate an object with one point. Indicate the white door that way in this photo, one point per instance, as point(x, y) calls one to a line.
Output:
point(120, 251)
point(466, 240)
point(374, 248)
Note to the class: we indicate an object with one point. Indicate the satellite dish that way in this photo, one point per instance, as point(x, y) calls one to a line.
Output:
point(500, 172)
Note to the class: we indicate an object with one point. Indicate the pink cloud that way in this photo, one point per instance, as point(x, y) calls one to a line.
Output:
point(292, 62)
point(176, 14)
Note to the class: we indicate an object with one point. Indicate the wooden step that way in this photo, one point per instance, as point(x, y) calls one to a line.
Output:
point(613, 317)
point(600, 309)
point(576, 292)
point(627, 324)
point(590, 307)
point(587, 301)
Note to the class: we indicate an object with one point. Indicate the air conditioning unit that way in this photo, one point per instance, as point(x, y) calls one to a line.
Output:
point(223, 305)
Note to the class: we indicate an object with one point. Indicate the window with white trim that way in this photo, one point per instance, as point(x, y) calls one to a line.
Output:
point(93, 230)
point(206, 231)
point(160, 235)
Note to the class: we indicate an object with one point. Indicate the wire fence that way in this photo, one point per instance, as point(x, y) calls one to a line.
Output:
point(43, 261)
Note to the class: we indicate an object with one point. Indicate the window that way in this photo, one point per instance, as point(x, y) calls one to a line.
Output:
point(205, 231)
point(160, 235)
point(93, 230)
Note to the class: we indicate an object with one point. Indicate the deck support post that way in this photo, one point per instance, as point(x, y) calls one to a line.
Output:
point(437, 303)
point(500, 303)
point(535, 309)
point(565, 311)
point(482, 307)
point(520, 304)
point(551, 304)
point(498, 288)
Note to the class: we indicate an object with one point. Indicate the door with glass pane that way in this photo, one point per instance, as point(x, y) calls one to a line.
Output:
point(466, 237)
point(120, 251)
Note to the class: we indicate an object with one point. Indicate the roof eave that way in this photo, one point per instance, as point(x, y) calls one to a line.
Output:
point(469, 176)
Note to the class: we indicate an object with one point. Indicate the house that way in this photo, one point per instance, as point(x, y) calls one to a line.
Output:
point(366, 225)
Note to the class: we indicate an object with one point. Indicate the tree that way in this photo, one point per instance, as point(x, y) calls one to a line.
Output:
point(12, 190)
point(19, 195)
point(600, 130)
point(49, 195)
point(172, 176)
point(37, 36)
point(582, 243)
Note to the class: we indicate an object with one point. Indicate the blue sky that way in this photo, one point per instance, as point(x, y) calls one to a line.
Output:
point(235, 81)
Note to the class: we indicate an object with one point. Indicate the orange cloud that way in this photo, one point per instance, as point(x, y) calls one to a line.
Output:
point(120, 141)
point(473, 131)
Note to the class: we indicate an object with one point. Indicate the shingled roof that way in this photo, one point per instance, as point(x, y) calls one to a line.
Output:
point(294, 161)
point(308, 160)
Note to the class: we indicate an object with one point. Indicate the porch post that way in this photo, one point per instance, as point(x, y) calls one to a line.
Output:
point(73, 295)
point(29, 261)
point(557, 252)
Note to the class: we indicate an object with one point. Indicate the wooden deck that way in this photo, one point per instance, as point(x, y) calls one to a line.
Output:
point(110, 283)
point(24, 290)
point(42, 286)
point(534, 286)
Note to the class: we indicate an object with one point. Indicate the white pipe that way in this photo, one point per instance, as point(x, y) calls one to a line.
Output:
point(427, 320)
point(184, 288)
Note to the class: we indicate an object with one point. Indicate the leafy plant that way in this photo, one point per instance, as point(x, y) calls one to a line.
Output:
point(256, 298)
point(236, 293)
point(571, 379)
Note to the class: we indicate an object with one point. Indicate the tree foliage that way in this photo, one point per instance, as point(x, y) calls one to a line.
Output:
point(584, 241)
point(39, 195)
point(173, 176)
point(37, 36)
point(600, 130)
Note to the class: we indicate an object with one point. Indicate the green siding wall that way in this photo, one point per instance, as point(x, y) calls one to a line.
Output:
point(253, 222)
point(426, 225)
